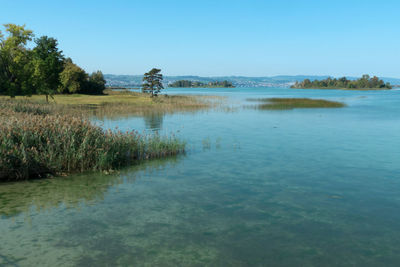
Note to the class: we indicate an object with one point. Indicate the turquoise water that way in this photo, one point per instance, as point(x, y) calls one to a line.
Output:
point(309, 187)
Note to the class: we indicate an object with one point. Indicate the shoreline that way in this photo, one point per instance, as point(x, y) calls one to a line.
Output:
point(43, 140)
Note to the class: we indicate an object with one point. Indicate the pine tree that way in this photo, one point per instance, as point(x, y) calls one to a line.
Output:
point(152, 82)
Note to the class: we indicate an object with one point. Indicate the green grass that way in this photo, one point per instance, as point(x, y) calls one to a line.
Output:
point(37, 140)
point(117, 103)
point(292, 103)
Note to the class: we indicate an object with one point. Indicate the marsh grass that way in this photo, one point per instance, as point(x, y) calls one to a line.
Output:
point(116, 104)
point(37, 140)
point(292, 103)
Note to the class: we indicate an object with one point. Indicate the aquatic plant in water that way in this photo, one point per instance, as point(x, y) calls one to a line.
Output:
point(35, 143)
point(291, 103)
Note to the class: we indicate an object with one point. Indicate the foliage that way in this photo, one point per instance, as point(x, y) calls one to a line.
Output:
point(48, 64)
point(96, 83)
point(72, 78)
point(152, 82)
point(42, 69)
point(195, 84)
point(34, 142)
point(15, 61)
point(365, 82)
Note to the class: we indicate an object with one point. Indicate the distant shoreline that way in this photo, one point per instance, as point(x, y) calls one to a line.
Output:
point(345, 89)
point(203, 87)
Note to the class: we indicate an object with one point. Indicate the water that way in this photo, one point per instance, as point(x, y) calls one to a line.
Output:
point(311, 187)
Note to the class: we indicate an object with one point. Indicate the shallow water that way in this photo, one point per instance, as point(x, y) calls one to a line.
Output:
point(303, 187)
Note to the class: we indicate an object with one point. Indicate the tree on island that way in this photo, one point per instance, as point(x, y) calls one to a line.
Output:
point(197, 84)
point(365, 82)
point(152, 82)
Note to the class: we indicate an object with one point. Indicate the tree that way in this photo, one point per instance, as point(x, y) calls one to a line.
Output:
point(364, 82)
point(48, 64)
point(3, 74)
point(152, 82)
point(73, 79)
point(96, 84)
point(15, 61)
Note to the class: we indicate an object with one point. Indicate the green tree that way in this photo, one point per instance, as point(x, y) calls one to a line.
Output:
point(16, 61)
point(73, 79)
point(152, 82)
point(96, 84)
point(364, 82)
point(48, 64)
point(3, 73)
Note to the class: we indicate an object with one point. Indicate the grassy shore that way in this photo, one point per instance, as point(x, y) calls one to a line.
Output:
point(37, 140)
point(292, 103)
point(119, 103)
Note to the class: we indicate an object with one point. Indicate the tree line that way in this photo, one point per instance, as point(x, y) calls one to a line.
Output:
point(365, 82)
point(189, 84)
point(42, 69)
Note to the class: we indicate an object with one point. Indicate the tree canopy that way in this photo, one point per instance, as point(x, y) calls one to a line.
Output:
point(15, 61)
point(42, 69)
point(152, 82)
point(365, 82)
point(196, 84)
point(47, 63)
point(72, 78)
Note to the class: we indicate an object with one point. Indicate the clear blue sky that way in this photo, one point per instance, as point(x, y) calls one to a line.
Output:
point(220, 37)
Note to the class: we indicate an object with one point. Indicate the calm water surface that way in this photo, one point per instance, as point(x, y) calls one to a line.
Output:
point(311, 187)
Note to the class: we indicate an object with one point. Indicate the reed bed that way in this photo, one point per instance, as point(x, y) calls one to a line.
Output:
point(116, 104)
point(37, 140)
point(292, 103)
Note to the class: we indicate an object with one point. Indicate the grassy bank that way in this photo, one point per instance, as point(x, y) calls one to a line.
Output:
point(117, 103)
point(36, 140)
point(292, 103)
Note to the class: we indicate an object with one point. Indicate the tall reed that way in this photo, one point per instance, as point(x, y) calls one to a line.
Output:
point(34, 143)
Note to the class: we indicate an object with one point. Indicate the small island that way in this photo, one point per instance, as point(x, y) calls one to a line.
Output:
point(195, 84)
point(364, 83)
point(277, 103)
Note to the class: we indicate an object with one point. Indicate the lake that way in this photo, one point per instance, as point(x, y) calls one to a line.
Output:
point(302, 187)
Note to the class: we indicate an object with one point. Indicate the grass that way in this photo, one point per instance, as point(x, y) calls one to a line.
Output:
point(37, 140)
point(292, 103)
point(120, 103)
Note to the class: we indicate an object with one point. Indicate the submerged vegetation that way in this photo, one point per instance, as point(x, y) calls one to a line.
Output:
point(365, 82)
point(86, 188)
point(195, 84)
point(292, 103)
point(36, 141)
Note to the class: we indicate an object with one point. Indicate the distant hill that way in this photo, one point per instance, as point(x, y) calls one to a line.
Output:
point(238, 81)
